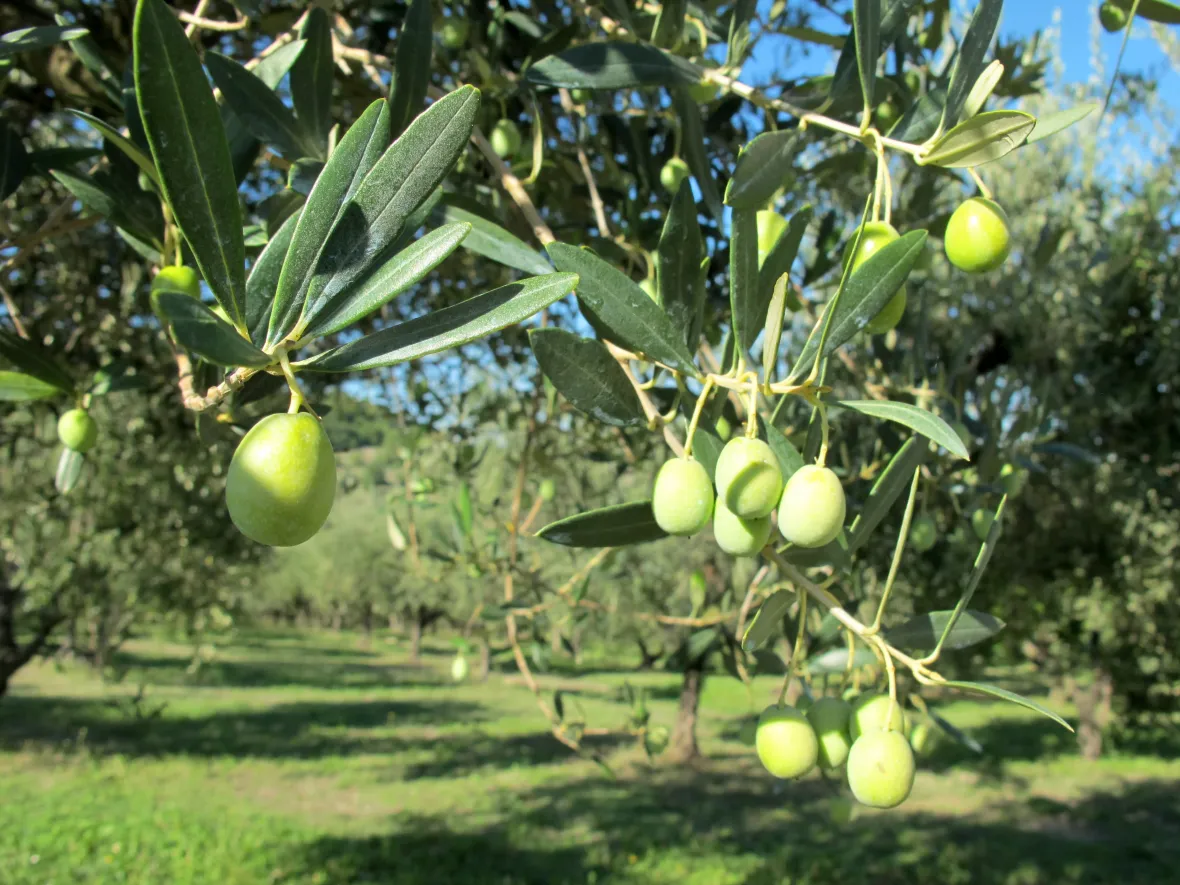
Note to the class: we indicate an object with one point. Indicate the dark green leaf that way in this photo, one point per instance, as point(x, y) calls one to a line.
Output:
point(1051, 124)
point(58, 158)
point(895, 16)
point(411, 67)
point(678, 267)
point(451, 327)
point(92, 58)
point(981, 139)
point(584, 372)
point(836, 661)
point(100, 194)
point(768, 663)
point(921, 633)
point(768, 620)
point(706, 448)
point(553, 42)
point(616, 526)
point(187, 140)
point(133, 151)
point(311, 80)
point(762, 167)
point(970, 60)
point(866, 30)
point(492, 241)
point(1004, 694)
point(894, 480)
point(921, 120)
point(789, 459)
point(69, 471)
point(303, 174)
point(738, 43)
point(14, 161)
point(743, 277)
point(669, 24)
point(778, 262)
point(28, 39)
point(919, 420)
point(624, 310)
point(1162, 11)
point(692, 142)
point(264, 280)
point(260, 109)
point(388, 280)
point(356, 155)
point(955, 732)
point(204, 333)
point(16, 387)
point(611, 65)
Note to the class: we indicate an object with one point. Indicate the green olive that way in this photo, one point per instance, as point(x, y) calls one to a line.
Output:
point(548, 490)
point(829, 718)
point(673, 174)
point(886, 114)
point(737, 536)
point(977, 238)
point(923, 533)
point(1013, 479)
point(724, 430)
point(506, 139)
point(453, 33)
point(581, 96)
point(1112, 17)
point(786, 743)
point(748, 477)
point(920, 737)
point(881, 769)
point(981, 522)
point(890, 314)
point(811, 512)
point(177, 278)
point(459, 668)
point(703, 92)
point(869, 715)
point(282, 480)
point(77, 430)
point(877, 235)
point(748, 733)
point(682, 498)
point(770, 227)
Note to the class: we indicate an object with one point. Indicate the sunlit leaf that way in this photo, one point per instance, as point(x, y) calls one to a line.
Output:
point(616, 526)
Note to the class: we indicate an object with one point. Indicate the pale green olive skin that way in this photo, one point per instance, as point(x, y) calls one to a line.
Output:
point(682, 497)
point(77, 430)
point(786, 742)
point(869, 714)
point(981, 523)
point(648, 286)
point(1113, 18)
point(977, 237)
point(506, 139)
point(703, 92)
point(881, 769)
point(178, 278)
point(724, 429)
point(829, 718)
point(459, 668)
point(453, 33)
point(673, 174)
point(737, 536)
point(890, 314)
point(877, 235)
point(282, 480)
point(923, 534)
point(748, 476)
point(548, 490)
point(811, 512)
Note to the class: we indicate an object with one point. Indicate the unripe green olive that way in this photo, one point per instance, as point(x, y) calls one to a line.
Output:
point(459, 668)
point(703, 92)
point(877, 235)
point(177, 278)
point(829, 718)
point(886, 114)
point(749, 480)
point(1013, 479)
point(923, 533)
point(786, 743)
point(881, 769)
point(77, 430)
point(724, 430)
point(748, 733)
point(547, 490)
point(770, 227)
point(869, 714)
point(581, 96)
point(981, 522)
point(811, 512)
point(673, 174)
point(453, 32)
point(977, 238)
point(919, 737)
point(282, 480)
point(506, 139)
point(1112, 17)
point(737, 536)
point(682, 498)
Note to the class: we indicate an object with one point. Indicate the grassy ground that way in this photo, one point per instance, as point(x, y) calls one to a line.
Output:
point(299, 760)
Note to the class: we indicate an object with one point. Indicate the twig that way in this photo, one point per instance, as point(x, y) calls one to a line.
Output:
point(13, 313)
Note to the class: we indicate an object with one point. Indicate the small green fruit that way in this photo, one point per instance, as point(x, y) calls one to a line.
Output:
point(178, 278)
point(673, 174)
point(811, 512)
point(881, 769)
point(547, 490)
point(920, 737)
point(1013, 479)
point(770, 227)
point(923, 534)
point(703, 92)
point(459, 668)
point(786, 743)
point(869, 715)
point(981, 522)
point(886, 114)
point(724, 430)
point(77, 430)
point(1112, 17)
point(506, 139)
point(748, 734)
point(682, 498)
point(977, 238)
point(749, 480)
point(581, 96)
point(453, 33)
point(282, 480)
point(890, 314)
point(829, 717)
point(737, 536)
point(877, 235)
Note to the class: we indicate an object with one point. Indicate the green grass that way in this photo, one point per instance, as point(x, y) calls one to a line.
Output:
point(301, 759)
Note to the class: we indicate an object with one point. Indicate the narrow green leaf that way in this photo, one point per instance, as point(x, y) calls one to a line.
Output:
point(47, 159)
point(14, 161)
point(772, 332)
point(836, 661)
point(616, 526)
point(869, 289)
point(411, 67)
point(894, 480)
point(16, 387)
point(187, 141)
point(552, 43)
point(128, 147)
point(778, 262)
point(244, 147)
point(692, 141)
point(206, 334)
point(983, 89)
point(463, 323)
point(69, 471)
point(264, 280)
point(28, 39)
point(669, 24)
point(768, 620)
point(611, 65)
point(921, 633)
point(761, 169)
point(1004, 694)
point(895, 17)
point(969, 62)
point(311, 80)
point(678, 267)
point(983, 138)
point(789, 459)
point(100, 194)
point(919, 420)
point(811, 35)
point(584, 372)
point(93, 60)
point(619, 306)
point(921, 120)
point(738, 44)
point(260, 109)
point(743, 276)
point(387, 281)
point(357, 154)
point(492, 241)
point(866, 25)
point(955, 732)
point(407, 173)
point(1053, 123)
point(1162, 11)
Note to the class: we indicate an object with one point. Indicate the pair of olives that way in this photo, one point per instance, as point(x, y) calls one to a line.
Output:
point(868, 735)
point(811, 504)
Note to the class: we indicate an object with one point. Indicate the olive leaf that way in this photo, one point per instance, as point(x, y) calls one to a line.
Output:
point(616, 526)
point(983, 138)
point(584, 372)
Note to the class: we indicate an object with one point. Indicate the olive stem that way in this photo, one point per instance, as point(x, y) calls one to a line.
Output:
point(298, 400)
point(822, 458)
point(983, 188)
point(696, 415)
point(902, 537)
point(752, 409)
point(799, 636)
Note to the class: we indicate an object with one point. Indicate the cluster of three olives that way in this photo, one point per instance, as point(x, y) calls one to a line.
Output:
point(811, 504)
point(869, 735)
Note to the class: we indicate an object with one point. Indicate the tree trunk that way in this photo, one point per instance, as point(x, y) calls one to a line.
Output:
point(1094, 704)
point(683, 747)
point(415, 640)
point(13, 655)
